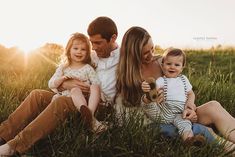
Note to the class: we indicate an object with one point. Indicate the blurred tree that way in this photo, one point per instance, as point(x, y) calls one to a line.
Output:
point(158, 50)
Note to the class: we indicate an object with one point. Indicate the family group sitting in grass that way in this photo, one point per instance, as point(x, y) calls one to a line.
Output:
point(86, 80)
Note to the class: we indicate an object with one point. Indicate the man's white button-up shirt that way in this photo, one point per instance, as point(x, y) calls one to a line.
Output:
point(106, 71)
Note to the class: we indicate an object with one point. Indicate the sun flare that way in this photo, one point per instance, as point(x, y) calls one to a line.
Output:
point(26, 50)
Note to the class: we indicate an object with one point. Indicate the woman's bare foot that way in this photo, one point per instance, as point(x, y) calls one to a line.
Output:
point(5, 150)
point(229, 147)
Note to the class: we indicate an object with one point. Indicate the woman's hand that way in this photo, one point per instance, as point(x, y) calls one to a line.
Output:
point(190, 115)
point(160, 95)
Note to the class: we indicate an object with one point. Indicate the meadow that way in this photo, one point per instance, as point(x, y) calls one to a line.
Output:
point(211, 73)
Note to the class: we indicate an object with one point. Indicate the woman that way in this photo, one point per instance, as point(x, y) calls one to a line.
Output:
point(137, 63)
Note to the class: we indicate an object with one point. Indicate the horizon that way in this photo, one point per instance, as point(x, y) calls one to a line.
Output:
point(192, 24)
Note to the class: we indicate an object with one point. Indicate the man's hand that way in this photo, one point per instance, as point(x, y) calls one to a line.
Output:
point(71, 83)
point(190, 115)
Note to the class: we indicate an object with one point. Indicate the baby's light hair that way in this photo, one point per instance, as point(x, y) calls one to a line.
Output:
point(174, 52)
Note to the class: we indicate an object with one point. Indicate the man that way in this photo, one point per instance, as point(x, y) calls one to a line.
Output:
point(103, 34)
point(27, 124)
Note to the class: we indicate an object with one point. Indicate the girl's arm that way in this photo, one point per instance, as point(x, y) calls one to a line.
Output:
point(59, 81)
point(56, 79)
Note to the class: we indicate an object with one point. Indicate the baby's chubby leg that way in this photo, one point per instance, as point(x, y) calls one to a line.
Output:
point(187, 134)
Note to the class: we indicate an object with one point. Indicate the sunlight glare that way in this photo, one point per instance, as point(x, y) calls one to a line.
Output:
point(26, 50)
point(28, 47)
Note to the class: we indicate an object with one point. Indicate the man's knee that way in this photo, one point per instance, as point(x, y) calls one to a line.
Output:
point(62, 102)
point(41, 93)
point(36, 92)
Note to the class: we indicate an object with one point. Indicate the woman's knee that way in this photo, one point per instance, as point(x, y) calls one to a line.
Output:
point(208, 112)
point(214, 105)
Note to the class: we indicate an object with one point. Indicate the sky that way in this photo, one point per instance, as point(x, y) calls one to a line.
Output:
point(29, 24)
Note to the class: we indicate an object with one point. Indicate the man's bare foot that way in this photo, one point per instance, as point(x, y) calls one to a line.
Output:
point(5, 150)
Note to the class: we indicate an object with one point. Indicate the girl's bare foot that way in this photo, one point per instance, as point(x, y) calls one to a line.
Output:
point(98, 127)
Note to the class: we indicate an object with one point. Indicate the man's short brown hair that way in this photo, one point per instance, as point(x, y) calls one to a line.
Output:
point(104, 26)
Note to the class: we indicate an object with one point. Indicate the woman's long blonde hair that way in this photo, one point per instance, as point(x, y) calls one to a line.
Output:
point(129, 76)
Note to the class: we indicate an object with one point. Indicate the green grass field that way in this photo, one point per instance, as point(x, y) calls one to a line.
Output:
point(210, 72)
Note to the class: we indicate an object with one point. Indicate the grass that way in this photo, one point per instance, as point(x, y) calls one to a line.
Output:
point(210, 72)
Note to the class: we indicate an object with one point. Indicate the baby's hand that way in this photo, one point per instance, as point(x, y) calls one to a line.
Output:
point(191, 106)
point(145, 86)
point(152, 92)
point(190, 115)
